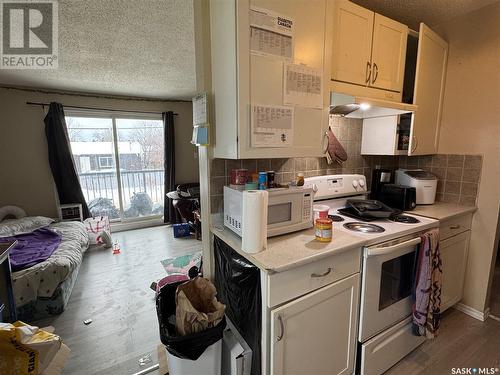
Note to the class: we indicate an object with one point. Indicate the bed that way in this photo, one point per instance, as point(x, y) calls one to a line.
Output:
point(44, 289)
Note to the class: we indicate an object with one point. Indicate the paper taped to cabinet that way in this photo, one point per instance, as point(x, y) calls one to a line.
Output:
point(200, 109)
point(271, 126)
point(302, 86)
point(271, 33)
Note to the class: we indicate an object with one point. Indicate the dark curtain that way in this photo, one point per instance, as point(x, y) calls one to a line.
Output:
point(61, 159)
point(169, 212)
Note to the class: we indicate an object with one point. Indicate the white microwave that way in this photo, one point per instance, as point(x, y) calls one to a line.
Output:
point(289, 210)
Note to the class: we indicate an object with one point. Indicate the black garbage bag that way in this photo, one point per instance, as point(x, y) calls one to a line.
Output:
point(238, 287)
point(186, 347)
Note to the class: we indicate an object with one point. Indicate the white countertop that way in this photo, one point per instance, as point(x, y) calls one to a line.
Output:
point(442, 210)
point(298, 248)
point(290, 250)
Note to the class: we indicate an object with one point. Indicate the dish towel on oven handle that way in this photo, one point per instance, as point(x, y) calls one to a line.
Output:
point(426, 290)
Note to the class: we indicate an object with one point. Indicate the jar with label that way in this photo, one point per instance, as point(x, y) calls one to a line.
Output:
point(300, 179)
point(323, 229)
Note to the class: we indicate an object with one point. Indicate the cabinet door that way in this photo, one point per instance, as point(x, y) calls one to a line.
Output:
point(352, 43)
point(388, 54)
point(429, 90)
point(262, 79)
point(454, 261)
point(316, 334)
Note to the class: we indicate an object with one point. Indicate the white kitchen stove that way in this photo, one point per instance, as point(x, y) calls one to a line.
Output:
point(334, 190)
point(388, 268)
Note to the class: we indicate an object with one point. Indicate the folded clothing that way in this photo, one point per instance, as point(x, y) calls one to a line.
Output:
point(32, 248)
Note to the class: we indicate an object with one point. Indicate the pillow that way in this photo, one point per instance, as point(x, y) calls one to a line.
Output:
point(13, 227)
point(14, 211)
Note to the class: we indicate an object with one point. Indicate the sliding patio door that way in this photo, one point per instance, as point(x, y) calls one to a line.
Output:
point(119, 161)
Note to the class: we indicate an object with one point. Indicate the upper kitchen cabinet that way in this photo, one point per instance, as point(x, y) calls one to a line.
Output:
point(352, 43)
point(268, 68)
point(428, 92)
point(368, 52)
point(388, 54)
point(424, 80)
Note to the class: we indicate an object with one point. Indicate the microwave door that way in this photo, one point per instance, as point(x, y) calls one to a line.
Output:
point(284, 210)
point(386, 289)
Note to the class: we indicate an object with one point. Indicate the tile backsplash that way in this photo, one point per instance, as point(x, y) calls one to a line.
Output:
point(458, 175)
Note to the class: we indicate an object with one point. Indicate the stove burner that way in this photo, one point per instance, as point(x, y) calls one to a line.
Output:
point(336, 218)
point(405, 219)
point(364, 227)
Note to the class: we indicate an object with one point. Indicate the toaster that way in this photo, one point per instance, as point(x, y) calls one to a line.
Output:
point(400, 197)
point(424, 182)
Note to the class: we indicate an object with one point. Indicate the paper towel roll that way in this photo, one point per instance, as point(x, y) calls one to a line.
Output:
point(254, 219)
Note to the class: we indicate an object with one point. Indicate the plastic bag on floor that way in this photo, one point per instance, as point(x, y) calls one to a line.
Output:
point(197, 308)
point(26, 349)
point(99, 230)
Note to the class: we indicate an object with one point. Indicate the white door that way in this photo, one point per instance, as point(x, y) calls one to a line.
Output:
point(429, 90)
point(352, 43)
point(316, 334)
point(454, 260)
point(388, 54)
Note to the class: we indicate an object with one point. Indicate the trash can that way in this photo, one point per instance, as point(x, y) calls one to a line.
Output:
point(192, 354)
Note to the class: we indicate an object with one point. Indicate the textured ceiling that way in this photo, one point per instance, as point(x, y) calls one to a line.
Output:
point(121, 47)
point(431, 12)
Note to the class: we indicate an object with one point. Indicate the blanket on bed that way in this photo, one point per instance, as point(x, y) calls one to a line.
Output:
point(32, 248)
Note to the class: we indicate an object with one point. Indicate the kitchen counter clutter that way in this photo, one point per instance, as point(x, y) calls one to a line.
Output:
point(291, 250)
point(300, 281)
point(442, 210)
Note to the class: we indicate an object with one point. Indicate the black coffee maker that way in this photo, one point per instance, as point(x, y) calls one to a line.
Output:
point(380, 177)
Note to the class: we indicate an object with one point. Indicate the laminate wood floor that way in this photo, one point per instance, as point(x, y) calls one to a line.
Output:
point(113, 291)
point(495, 290)
point(463, 342)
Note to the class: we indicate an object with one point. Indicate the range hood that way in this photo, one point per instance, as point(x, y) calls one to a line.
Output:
point(359, 107)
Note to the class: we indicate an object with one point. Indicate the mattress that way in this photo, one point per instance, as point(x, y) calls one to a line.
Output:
point(42, 279)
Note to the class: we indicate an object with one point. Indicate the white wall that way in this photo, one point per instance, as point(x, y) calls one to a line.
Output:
point(471, 125)
point(25, 176)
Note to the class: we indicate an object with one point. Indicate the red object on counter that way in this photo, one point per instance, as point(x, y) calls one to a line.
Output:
point(239, 176)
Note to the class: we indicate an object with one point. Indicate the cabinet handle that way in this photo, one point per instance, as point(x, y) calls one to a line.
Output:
point(415, 141)
point(282, 329)
point(322, 274)
point(368, 73)
point(455, 226)
point(375, 74)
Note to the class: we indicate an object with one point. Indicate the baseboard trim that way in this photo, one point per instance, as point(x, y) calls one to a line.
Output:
point(494, 317)
point(476, 314)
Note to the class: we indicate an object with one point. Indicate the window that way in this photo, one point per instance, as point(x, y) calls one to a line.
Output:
point(119, 159)
point(105, 162)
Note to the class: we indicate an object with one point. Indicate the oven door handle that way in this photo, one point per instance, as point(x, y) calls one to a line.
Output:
point(375, 251)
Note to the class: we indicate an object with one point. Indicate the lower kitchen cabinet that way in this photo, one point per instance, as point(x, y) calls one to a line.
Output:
point(316, 333)
point(454, 261)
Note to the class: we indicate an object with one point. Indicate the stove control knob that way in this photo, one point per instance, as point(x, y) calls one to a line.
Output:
point(361, 183)
point(315, 188)
point(354, 183)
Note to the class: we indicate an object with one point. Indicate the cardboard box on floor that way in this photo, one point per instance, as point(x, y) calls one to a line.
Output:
point(57, 364)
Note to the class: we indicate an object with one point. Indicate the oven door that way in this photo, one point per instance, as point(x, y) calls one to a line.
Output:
point(388, 271)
